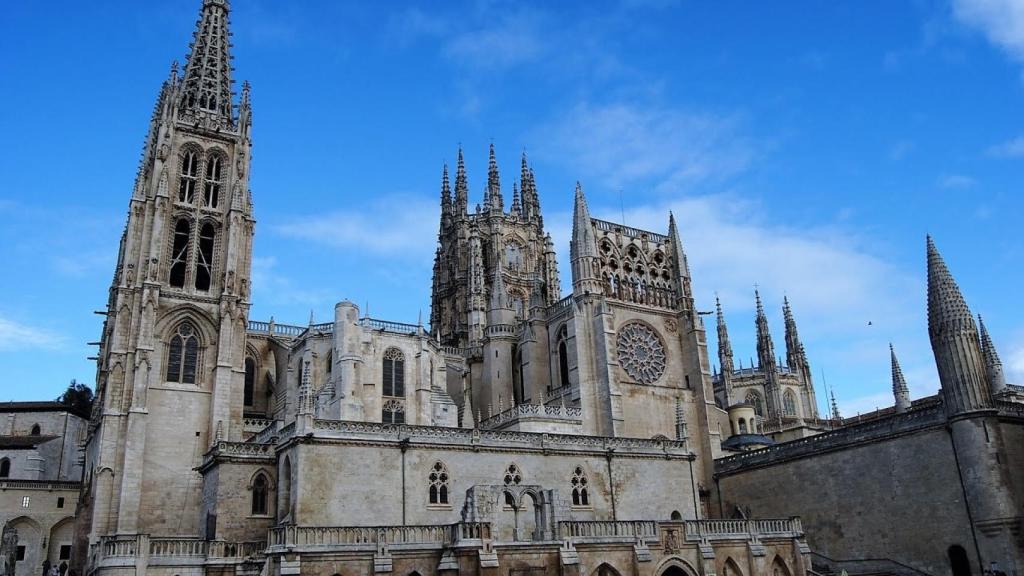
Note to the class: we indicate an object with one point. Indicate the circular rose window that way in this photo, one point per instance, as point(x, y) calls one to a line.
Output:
point(641, 353)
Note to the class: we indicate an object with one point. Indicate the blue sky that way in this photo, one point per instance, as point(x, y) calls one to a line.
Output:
point(804, 146)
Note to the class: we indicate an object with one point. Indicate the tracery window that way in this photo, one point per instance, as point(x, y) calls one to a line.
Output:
point(179, 252)
point(250, 380)
point(204, 257)
point(189, 177)
point(513, 476)
point(211, 186)
point(183, 355)
point(393, 412)
point(789, 403)
point(580, 492)
point(754, 399)
point(5, 468)
point(394, 373)
point(438, 484)
point(259, 495)
point(641, 353)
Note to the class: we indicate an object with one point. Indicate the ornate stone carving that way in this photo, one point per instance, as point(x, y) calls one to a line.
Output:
point(641, 353)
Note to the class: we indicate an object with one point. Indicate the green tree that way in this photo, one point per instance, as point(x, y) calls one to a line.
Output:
point(78, 397)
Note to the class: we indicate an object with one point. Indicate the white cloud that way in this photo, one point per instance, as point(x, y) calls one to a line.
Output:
point(956, 182)
point(1001, 21)
point(508, 40)
point(17, 336)
point(270, 287)
point(399, 225)
point(623, 144)
point(1015, 363)
point(1010, 149)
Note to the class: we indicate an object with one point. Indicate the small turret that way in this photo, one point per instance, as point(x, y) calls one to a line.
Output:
point(497, 203)
point(993, 366)
point(724, 353)
point(583, 249)
point(955, 341)
point(461, 187)
point(517, 208)
point(446, 198)
point(899, 384)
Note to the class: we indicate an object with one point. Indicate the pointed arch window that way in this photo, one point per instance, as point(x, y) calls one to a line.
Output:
point(580, 491)
point(394, 373)
point(189, 177)
point(204, 257)
point(250, 380)
point(789, 403)
point(438, 491)
point(260, 494)
point(754, 399)
point(183, 355)
point(211, 185)
point(5, 468)
point(513, 477)
point(563, 357)
point(179, 252)
point(393, 412)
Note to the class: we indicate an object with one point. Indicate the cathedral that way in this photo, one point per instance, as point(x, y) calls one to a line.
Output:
point(523, 431)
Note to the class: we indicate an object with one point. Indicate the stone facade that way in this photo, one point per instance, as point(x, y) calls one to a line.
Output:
point(521, 432)
point(40, 479)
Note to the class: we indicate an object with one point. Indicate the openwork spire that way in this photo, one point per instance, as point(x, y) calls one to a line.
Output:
point(993, 365)
point(724, 352)
point(206, 88)
point(494, 182)
point(795, 355)
point(517, 208)
point(899, 384)
point(765, 346)
point(955, 341)
point(446, 191)
point(461, 186)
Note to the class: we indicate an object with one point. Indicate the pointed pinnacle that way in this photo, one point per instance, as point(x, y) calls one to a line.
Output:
point(946, 304)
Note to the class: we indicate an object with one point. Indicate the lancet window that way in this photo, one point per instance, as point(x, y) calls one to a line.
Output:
point(260, 495)
point(789, 403)
point(211, 185)
point(438, 491)
point(393, 412)
point(204, 257)
point(183, 355)
point(250, 380)
point(179, 252)
point(189, 177)
point(394, 373)
point(513, 477)
point(580, 491)
point(563, 357)
point(755, 400)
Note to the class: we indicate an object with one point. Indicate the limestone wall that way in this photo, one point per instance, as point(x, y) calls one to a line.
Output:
point(44, 525)
point(898, 497)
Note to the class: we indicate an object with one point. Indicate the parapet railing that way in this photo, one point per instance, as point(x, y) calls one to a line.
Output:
point(526, 411)
point(276, 329)
point(693, 530)
point(393, 327)
point(40, 484)
point(357, 536)
point(743, 529)
point(129, 547)
point(629, 231)
point(631, 529)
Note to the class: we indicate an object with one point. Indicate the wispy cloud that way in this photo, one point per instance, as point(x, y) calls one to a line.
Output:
point(510, 39)
point(17, 336)
point(1014, 362)
point(271, 287)
point(623, 144)
point(1013, 148)
point(398, 225)
point(956, 182)
point(1001, 21)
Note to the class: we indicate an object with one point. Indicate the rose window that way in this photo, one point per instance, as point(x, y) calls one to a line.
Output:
point(641, 353)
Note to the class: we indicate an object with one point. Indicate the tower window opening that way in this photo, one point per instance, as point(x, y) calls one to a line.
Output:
point(179, 253)
point(580, 492)
point(250, 380)
point(204, 258)
point(189, 174)
point(259, 495)
point(438, 491)
point(393, 373)
point(183, 355)
point(211, 188)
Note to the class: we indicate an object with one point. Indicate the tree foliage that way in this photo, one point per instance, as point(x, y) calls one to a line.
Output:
point(78, 397)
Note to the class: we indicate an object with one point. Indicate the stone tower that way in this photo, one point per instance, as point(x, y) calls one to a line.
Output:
point(170, 366)
point(973, 420)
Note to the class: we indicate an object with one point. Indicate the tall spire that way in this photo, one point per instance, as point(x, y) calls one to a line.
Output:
point(682, 271)
point(766, 362)
point(724, 352)
point(583, 248)
point(955, 342)
point(835, 407)
point(794, 348)
point(494, 182)
point(446, 193)
point(461, 186)
point(206, 89)
point(517, 208)
point(993, 366)
point(899, 384)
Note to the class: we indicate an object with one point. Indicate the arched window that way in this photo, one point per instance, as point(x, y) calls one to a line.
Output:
point(513, 476)
point(189, 175)
point(183, 355)
point(513, 255)
point(211, 187)
point(580, 492)
point(563, 358)
point(250, 380)
point(676, 516)
point(439, 484)
point(789, 403)
point(394, 373)
point(393, 412)
point(755, 400)
point(259, 495)
point(743, 426)
point(36, 430)
point(204, 257)
point(329, 363)
point(5, 468)
point(179, 252)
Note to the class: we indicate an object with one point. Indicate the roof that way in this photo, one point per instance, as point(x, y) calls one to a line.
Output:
point(39, 406)
point(23, 442)
point(741, 441)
